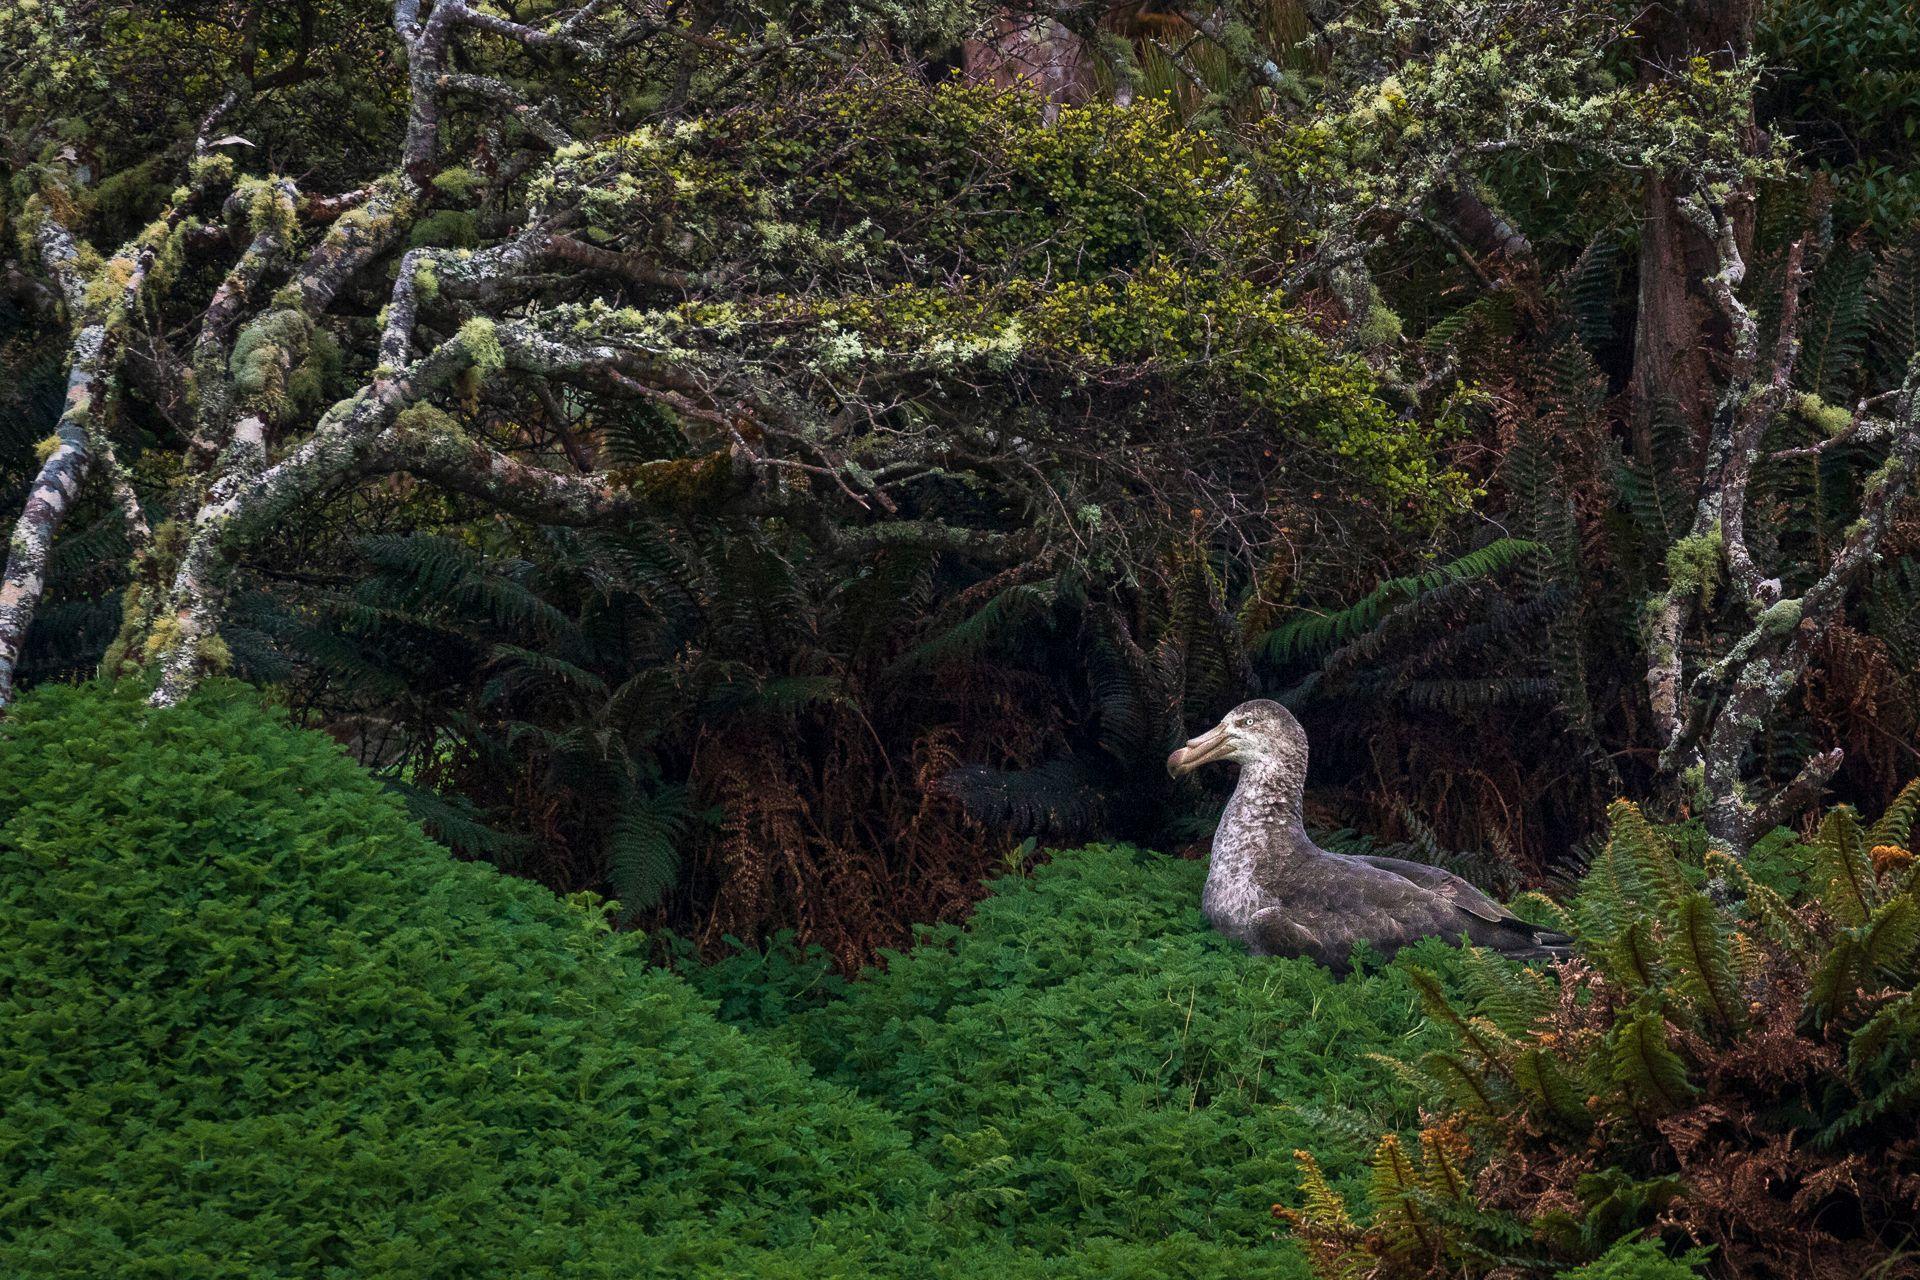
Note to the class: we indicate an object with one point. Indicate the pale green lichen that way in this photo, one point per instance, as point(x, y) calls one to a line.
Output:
point(427, 419)
point(269, 209)
point(208, 171)
point(482, 342)
point(282, 362)
point(458, 183)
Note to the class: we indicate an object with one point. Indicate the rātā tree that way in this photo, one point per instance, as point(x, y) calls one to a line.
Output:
point(836, 286)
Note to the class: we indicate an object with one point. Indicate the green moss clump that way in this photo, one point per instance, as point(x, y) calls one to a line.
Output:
point(1693, 563)
point(424, 417)
point(265, 348)
point(1830, 419)
point(445, 229)
point(458, 183)
point(1781, 616)
point(269, 209)
point(283, 364)
point(210, 170)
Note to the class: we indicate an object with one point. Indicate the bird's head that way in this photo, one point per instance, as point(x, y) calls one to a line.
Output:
point(1261, 730)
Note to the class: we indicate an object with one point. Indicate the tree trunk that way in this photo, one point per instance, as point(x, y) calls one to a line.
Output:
point(1679, 335)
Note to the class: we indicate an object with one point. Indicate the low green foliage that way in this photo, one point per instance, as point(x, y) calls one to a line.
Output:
point(1135, 1074)
point(253, 1023)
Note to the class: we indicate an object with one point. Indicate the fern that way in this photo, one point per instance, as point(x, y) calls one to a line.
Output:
point(1645, 1066)
point(1651, 856)
point(458, 823)
point(1590, 289)
point(1512, 997)
point(1699, 953)
point(1002, 614)
point(1844, 867)
point(1538, 1074)
point(1834, 324)
point(1888, 939)
point(1317, 632)
point(644, 846)
point(1393, 1186)
point(1325, 1208)
point(1895, 825)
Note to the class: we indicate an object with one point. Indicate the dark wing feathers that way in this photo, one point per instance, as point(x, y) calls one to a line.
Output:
point(1329, 903)
point(1445, 883)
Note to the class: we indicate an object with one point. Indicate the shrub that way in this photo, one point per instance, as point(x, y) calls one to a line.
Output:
point(1114, 1065)
point(1741, 1076)
point(253, 1023)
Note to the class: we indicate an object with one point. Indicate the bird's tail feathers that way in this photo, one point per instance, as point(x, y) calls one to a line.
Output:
point(1539, 944)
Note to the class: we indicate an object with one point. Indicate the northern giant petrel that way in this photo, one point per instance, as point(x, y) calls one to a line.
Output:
point(1272, 888)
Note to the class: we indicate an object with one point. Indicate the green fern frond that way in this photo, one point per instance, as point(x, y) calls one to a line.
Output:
point(643, 847)
point(1889, 937)
point(1000, 615)
point(1763, 904)
point(1834, 324)
point(1698, 950)
point(1538, 908)
point(1895, 825)
point(1843, 867)
point(1324, 1207)
point(1469, 1086)
point(1836, 980)
point(1631, 958)
point(1591, 288)
point(1316, 633)
point(1649, 854)
point(455, 822)
point(1513, 997)
point(1484, 1037)
point(521, 669)
point(1541, 1077)
point(1393, 1187)
point(1645, 1066)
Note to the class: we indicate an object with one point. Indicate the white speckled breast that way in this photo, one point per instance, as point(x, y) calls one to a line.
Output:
point(1259, 834)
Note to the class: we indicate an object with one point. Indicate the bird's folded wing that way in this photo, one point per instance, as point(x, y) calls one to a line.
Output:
point(1445, 883)
point(1343, 901)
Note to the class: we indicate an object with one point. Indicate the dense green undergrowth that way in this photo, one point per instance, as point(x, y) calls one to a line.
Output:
point(253, 1023)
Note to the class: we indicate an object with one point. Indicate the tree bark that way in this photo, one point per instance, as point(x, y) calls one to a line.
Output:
point(1679, 335)
point(48, 505)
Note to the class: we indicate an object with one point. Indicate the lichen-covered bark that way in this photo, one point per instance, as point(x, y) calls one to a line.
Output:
point(48, 505)
point(98, 303)
point(1709, 723)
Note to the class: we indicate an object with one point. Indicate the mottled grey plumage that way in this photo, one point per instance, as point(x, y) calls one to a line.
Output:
point(1271, 887)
